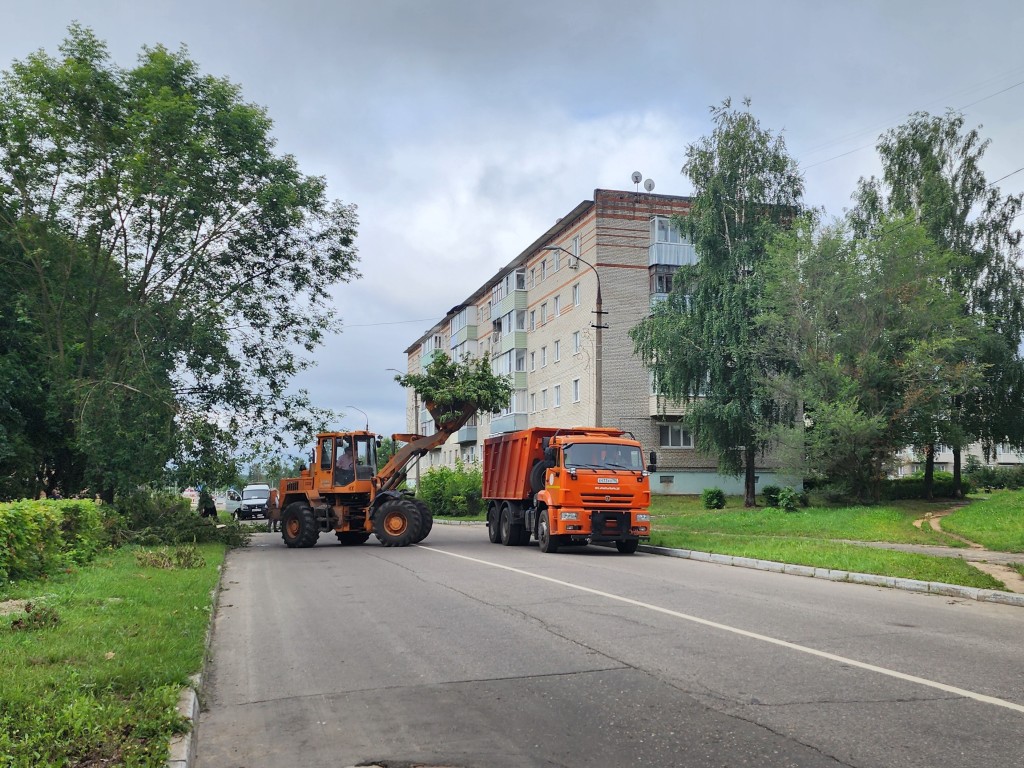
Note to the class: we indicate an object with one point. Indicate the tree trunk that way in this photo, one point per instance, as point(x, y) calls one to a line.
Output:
point(749, 479)
point(958, 490)
point(929, 471)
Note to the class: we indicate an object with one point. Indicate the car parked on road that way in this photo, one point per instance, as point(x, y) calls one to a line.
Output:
point(254, 501)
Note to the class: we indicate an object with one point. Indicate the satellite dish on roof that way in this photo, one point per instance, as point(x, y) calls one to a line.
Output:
point(649, 185)
point(637, 177)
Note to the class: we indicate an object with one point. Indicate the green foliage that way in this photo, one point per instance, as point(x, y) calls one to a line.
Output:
point(151, 517)
point(451, 390)
point(771, 495)
point(787, 499)
point(162, 264)
point(42, 537)
point(913, 487)
point(988, 478)
point(712, 498)
point(703, 344)
point(36, 616)
point(452, 492)
point(187, 556)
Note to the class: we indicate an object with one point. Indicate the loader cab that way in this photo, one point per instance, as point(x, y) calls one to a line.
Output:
point(348, 458)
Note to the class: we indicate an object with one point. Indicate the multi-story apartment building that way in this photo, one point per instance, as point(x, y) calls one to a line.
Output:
point(557, 319)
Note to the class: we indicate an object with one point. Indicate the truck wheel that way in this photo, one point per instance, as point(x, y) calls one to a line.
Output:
point(493, 527)
point(627, 547)
point(537, 474)
point(298, 526)
point(548, 543)
point(426, 520)
point(352, 538)
point(397, 523)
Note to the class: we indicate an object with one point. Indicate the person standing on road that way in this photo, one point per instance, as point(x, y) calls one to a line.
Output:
point(207, 507)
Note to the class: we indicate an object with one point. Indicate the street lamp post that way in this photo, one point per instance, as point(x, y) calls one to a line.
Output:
point(598, 326)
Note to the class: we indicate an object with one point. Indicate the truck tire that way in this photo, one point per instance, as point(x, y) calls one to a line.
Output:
point(397, 523)
point(298, 525)
point(426, 520)
point(512, 534)
point(548, 543)
point(493, 524)
point(537, 474)
point(352, 538)
point(627, 547)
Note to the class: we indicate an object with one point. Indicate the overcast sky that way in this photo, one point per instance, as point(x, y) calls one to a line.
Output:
point(464, 128)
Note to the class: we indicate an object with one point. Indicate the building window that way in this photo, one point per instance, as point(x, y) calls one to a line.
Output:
point(544, 269)
point(575, 248)
point(533, 402)
point(556, 396)
point(533, 361)
point(674, 436)
point(558, 351)
point(576, 295)
point(556, 260)
point(543, 357)
point(543, 313)
point(533, 319)
point(533, 279)
point(557, 308)
point(520, 359)
point(543, 399)
point(575, 342)
point(575, 390)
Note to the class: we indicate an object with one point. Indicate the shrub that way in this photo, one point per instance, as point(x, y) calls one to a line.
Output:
point(40, 537)
point(788, 498)
point(912, 487)
point(155, 518)
point(712, 498)
point(771, 495)
point(454, 492)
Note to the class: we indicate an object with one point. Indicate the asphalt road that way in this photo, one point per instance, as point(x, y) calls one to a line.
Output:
point(458, 652)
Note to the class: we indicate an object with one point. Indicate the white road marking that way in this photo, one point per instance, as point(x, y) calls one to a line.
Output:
point(746, 633)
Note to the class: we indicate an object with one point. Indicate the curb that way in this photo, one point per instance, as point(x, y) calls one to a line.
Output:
point(869, 579)
point(183, 746)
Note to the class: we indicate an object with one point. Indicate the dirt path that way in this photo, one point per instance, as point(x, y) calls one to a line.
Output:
point(1009, 576)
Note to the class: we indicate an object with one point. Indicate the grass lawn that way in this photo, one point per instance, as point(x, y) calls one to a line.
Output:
point(93, 673)
point(810, 536)
point(996, 522)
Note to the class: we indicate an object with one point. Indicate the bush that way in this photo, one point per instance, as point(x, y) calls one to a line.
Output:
point(712, 498)
point(452, 492)
point(40, 537)
point(787, 499)
point(912, 487)
point(770, 493)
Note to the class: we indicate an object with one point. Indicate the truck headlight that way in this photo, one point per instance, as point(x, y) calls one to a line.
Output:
point(569, 516)
point(642, 518)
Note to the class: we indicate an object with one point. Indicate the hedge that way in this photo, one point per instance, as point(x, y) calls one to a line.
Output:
point(40, 537)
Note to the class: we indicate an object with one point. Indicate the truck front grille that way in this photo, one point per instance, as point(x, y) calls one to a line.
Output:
point(606, 499)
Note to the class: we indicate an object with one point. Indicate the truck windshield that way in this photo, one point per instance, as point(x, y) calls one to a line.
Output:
point(256, 493)
point(603, 456)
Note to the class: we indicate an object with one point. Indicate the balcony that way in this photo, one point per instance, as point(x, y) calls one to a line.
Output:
point(512, 422)
point(673, 254)
point(467, 434)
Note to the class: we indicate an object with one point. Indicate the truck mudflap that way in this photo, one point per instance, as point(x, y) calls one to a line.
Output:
point(609, 526)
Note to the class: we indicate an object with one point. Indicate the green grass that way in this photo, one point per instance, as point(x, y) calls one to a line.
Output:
point(995, 523)
point(103, 683)
point(812, 536)
point(834, 555)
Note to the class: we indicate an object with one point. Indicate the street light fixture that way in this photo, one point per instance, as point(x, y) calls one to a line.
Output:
point(598, 326)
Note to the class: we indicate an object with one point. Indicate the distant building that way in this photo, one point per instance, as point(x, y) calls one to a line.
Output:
point(910, 461)
point(536, 320)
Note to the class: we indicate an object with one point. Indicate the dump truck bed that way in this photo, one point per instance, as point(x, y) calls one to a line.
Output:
point(508, 460)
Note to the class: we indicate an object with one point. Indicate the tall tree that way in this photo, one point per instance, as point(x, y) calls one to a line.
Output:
point(931, 172)
point(702, 343)
point(168, 264)
point(869, 329)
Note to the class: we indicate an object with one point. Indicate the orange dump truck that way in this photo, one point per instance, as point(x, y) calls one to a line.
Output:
point(567, 486)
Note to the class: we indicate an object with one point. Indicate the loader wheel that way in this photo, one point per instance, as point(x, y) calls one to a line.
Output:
point(627, 547)
point(493, 529)
point(352, 538)
point(397, 523)
point(298, 525)
point(426, 520)
point(548, 543)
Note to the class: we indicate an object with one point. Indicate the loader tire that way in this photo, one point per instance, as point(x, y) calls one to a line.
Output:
point(298, 525)
point(397, 523)
point(426, 520)
point(352, 538)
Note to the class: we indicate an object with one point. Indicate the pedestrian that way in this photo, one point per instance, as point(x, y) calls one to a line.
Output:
point(207, 507)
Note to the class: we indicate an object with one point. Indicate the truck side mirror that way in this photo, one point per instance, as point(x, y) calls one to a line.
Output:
point(653, 466)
